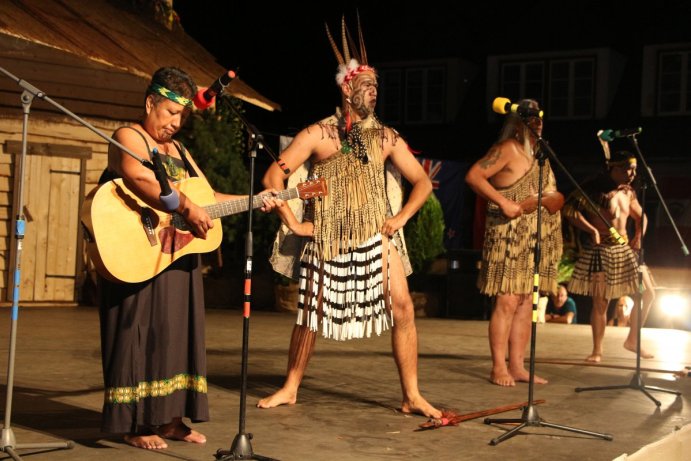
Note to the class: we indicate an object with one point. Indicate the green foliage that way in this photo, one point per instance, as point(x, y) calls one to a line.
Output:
point(566, 265)
point(570, 238)
point(216, 140)
point(424, 234)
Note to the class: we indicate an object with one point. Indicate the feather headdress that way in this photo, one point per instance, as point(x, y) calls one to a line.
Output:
point(605, 146)
point(619, 158)
point(353, 59)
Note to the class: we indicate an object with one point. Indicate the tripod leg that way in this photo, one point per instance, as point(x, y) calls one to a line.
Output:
point(660, 389)
point(44, 447)
point(10, 451)
point(503, 420)
point(578, 431)
point(647, 394)
point(531, 418)
point(507, 435)
point(601, 388)
point(53, 445)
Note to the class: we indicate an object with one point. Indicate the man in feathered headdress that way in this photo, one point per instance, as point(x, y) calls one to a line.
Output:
point(605, 269)
point(353, 266)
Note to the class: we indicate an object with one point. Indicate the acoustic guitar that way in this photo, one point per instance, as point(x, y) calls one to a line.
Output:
point(129, 241)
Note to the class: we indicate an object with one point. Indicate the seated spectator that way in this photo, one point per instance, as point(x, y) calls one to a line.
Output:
point(622, 312)
point(561, 308)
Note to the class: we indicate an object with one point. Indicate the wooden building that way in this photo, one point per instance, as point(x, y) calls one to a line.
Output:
point(95, 59)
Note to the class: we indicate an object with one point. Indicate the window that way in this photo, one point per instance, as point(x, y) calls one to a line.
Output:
point(390, 99)
point(674, 91)
point(523, 81)
point(571, 88)
point(413, 95)
point(566, 87)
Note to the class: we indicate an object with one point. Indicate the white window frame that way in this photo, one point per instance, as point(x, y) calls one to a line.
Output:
point(571, 90)
point(684, 106)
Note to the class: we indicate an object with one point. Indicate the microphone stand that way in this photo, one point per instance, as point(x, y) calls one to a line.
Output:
point(241, 447)
point(8, 441)
point(636, 382)
point(530, 416)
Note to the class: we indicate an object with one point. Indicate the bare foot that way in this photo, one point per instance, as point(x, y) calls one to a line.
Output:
point(147, 442)
point(645, 354)
point(501, 378)
point(281, 397)
point(594, 358)
point(420, 406)
point(523, 376)
point(177, 430)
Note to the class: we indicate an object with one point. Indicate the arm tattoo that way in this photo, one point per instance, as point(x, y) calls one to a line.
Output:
point(489, 159)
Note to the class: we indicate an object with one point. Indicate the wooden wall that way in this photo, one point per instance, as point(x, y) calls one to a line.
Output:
point(64, 162)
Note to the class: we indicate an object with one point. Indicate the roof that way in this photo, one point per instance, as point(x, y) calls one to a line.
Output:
point(107, 35)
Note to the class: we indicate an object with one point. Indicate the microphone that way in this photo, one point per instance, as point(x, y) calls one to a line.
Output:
point(169, 197)
point(504, 106)
point(611, 135)
point(204, 98)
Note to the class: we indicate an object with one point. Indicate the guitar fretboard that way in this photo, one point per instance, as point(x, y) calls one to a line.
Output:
point(234, 206)
point(218, 210)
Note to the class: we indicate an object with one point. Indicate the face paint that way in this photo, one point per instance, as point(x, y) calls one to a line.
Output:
point(363, 98)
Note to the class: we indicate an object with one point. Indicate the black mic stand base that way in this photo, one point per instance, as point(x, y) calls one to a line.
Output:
point(636, 384)
point(240, 449)
point(530, 418)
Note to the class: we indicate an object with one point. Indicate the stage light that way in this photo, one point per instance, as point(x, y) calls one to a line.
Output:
point(674, 305)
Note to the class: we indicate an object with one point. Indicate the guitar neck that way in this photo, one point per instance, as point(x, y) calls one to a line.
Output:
point(229, 207)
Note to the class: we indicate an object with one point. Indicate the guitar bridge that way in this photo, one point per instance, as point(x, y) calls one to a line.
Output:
point(149, 219)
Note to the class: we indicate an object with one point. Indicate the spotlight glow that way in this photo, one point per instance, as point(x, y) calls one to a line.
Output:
point(673, 305)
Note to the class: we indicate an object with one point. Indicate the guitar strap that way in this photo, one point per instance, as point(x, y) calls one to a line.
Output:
point(108, 175)
point(182, 151)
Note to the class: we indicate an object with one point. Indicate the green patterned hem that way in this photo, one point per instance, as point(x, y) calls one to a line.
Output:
point(161, 388)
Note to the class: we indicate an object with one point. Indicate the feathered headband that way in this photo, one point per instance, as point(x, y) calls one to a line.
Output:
point(605, 146)
point(350, 63)
point(620, 158)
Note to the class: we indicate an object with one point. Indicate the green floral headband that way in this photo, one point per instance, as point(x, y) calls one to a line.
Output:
point(173, 96)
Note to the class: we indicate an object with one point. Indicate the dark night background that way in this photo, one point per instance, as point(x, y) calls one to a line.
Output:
point(282, 51)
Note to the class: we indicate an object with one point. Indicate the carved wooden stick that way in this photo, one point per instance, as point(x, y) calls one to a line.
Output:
point(451, 418)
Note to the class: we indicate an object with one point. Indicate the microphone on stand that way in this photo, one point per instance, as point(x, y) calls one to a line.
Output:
point(169, 197)
point(205, 98)
point(505, 106)
point(611, 135)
